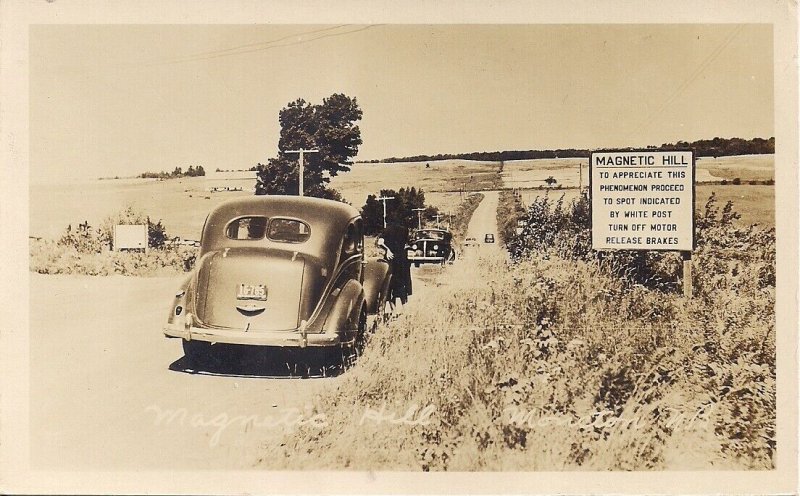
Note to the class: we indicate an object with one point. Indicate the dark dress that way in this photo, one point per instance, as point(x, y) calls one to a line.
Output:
point(396, 237)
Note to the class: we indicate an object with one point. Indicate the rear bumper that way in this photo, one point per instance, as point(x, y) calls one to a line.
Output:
point(283, 339)
point(425, 259)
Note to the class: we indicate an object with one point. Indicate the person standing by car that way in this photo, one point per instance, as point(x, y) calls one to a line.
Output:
point(393, 239)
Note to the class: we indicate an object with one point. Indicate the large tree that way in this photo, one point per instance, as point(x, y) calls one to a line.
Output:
point(329, 127)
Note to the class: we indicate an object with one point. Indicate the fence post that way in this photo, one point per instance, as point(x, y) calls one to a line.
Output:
point(687, 273)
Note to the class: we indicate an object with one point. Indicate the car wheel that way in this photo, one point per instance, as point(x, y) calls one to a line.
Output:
point(380, 314)
point(361, 337)
point(351, 352)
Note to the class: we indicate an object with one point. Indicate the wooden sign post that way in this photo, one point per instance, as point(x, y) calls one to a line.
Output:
point(687, 273)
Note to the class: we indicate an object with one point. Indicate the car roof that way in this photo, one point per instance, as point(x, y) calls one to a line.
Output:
point(310, 209)
point(327, 219)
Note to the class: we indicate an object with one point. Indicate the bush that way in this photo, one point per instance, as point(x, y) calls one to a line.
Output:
point(564, 231)
point(47, 257)
point(86, 250)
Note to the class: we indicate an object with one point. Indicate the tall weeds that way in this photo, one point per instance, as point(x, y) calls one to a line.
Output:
point(559, 360)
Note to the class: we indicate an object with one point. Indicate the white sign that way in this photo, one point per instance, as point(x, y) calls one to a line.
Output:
point(642, 200)
point(128, 237)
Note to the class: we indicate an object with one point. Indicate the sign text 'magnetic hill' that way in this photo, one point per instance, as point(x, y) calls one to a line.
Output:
point(642, 200)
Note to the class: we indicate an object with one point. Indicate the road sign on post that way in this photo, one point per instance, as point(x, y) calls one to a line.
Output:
point(130, 237)
point(644, 200)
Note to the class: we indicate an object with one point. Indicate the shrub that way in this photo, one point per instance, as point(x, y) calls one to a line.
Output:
point(86, 250)
point(47, 257)
point(564, 231)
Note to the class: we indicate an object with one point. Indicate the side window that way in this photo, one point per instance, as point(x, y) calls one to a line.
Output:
point(360, 235)
point(247, 228)
point(352, 241)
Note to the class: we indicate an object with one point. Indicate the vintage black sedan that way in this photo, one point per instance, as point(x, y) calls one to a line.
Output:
point(431, 246)
point(279, 271)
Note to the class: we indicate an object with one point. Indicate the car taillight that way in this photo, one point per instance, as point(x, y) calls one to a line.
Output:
point(414, 246)
point(435, 247)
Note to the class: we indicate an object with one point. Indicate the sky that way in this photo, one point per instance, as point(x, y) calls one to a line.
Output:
point(110, 100)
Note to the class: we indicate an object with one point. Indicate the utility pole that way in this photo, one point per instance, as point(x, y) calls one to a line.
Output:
point(580, 183)
point(302, 152)
point(384, 199)
point(419, 216)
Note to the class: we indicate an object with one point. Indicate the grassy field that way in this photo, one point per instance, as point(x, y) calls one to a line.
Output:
point(745, 167)
point(532, 173)
point(445, 175)
point(756, 204)
point(182, 204)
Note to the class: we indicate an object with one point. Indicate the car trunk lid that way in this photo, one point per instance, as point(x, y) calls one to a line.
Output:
point(251, 289)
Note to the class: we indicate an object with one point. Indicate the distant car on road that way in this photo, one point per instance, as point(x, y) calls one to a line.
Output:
point(431, 246)
point(279, 271)
point(489, 238)
point(470, 242)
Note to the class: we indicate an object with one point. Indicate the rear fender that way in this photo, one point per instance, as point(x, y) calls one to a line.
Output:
point(181, 300)
point(377, 274)
point(345, 310)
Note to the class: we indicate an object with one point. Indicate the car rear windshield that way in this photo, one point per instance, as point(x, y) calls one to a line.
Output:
point(247, 228)
point(288, 230)
point(276, 229)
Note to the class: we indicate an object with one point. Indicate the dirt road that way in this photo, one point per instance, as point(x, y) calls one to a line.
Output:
point(108, 391)
point(483, 222)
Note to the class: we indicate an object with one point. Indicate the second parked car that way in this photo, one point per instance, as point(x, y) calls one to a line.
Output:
point(431, 246)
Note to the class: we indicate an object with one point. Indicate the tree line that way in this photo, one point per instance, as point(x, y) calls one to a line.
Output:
point(717, 147)
point(177, 172)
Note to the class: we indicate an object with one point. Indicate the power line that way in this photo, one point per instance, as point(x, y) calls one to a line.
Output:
point(263, 46)
point(692, 77)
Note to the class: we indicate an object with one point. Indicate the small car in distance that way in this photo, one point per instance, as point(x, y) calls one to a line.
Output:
point(278, 271)
point(431, 245)
point(489, 238)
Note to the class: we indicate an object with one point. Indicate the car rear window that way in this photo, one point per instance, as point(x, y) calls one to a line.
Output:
point(247, 228)
point(288, 230)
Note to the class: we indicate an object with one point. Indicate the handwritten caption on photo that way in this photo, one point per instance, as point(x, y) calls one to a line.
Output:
point(289, 419)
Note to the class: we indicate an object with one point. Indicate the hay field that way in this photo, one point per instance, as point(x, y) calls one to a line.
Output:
point(745, 167)
point(443, 175)
point(182, 204)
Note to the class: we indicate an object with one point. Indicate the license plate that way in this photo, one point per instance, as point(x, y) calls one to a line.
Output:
point(251, 292)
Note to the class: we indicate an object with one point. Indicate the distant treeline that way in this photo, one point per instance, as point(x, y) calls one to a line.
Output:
point(178, 172)
point(717, 147)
